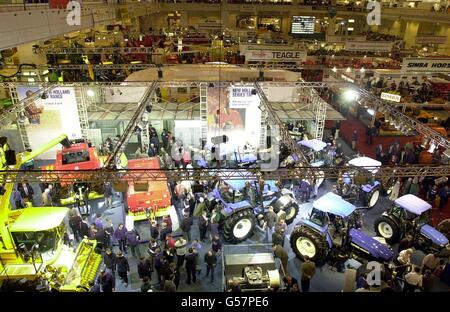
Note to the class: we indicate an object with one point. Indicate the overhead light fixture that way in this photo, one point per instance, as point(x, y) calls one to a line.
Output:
point(334, 69)
point(362, 70)
point(44, 95)
point(21, 118)
point(90, 93)
point(371, 111)
point(253, 91)
point(350, 95)
point(148, 108)
point(348, 70)
point(211, 85)
point(432, 147)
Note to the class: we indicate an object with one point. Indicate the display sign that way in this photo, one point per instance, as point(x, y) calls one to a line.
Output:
point(370, 46)
point(234, 112)
point(431, 39)
point(343, 39)
point(242, 97)
point(428, 65)
point(303, 25)
point(50, 117)
point(391, 97)
point(281, 56)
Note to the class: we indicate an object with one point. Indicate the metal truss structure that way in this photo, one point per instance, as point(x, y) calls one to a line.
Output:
point(276, 121)
point(384, 173)
point(146, 101)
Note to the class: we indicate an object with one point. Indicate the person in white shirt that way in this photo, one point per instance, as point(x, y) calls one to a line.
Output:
point(413, 280)
point(404, 259)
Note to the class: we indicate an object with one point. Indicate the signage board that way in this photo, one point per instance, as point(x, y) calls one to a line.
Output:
point(425, 65)
point(281, 56)
point(431, 39)
point(242, 97)
point(301, 25)
point(372, 46)
point(391, 97)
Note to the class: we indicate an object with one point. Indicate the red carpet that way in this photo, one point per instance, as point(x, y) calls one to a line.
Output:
point(346, 131)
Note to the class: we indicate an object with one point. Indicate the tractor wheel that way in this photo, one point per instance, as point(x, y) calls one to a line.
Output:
point(372, 197)
point(291, 213)
point(388, 229)
point(307, 242)
point(239, 226)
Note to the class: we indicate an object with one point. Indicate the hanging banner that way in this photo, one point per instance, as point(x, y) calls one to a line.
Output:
point(428, 65)
point(275, 56)
point(370, 46)
point(242, 97)
point(241, 124)
point(343, 39)
point(50, 117)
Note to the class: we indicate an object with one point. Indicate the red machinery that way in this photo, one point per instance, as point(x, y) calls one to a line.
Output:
point(156, 197)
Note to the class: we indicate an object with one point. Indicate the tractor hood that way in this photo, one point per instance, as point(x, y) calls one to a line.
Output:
point(436, 237)
point(367, 243)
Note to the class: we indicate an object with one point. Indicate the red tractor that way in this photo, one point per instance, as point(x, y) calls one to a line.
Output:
point(148, 200)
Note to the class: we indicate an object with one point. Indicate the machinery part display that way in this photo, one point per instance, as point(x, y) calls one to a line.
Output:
point(307, 242)
point(252, 174)
point(239, 226)
point(388, 229)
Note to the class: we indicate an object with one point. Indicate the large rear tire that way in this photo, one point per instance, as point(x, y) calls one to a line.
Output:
point(239, 226)
point(372, 197)
point(388, 229)
point(307, 242)
point(291, 212)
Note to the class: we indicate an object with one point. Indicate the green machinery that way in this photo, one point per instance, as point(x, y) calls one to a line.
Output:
point(32, 252)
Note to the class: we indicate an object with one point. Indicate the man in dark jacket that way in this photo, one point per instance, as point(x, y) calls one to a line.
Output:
point(84, 228)
point(26, 191)
point(119, 235)
point(185, 226)
point(164, 231)
point(110, 260)
point(143, 269)
point(106, 281)
point(123, 267)
point(132, 239)
point(94, 287)
point(216, 244)
point(159, 264)
point(280, 253)
point(154, 230)
point(210, 261)
point(146, 286)
point(190, 266)
point(75, 224)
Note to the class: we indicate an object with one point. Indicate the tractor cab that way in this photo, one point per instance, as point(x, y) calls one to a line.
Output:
point(38, 251)
point(334, 225)
point(410, 215)
point(360, 187)
point(314, 151)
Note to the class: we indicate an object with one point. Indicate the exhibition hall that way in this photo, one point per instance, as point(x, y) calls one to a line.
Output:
point(224, 146)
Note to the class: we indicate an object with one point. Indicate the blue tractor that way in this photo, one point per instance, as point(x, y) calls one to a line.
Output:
point(360, 188)
point(333, 228)
point(410, 215)
point(243, 204)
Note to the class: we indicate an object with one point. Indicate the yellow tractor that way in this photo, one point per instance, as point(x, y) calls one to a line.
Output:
point(32, 253)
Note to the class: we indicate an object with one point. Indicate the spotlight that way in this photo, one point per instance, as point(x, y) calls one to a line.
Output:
point(350, 95)
point(253, 92)
point(120, 92)
point(90, 93)
point(432, 147)
point(148, 108)
point(44, 95)
point(211, 85)
point(334, 69)
point(112, 92)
